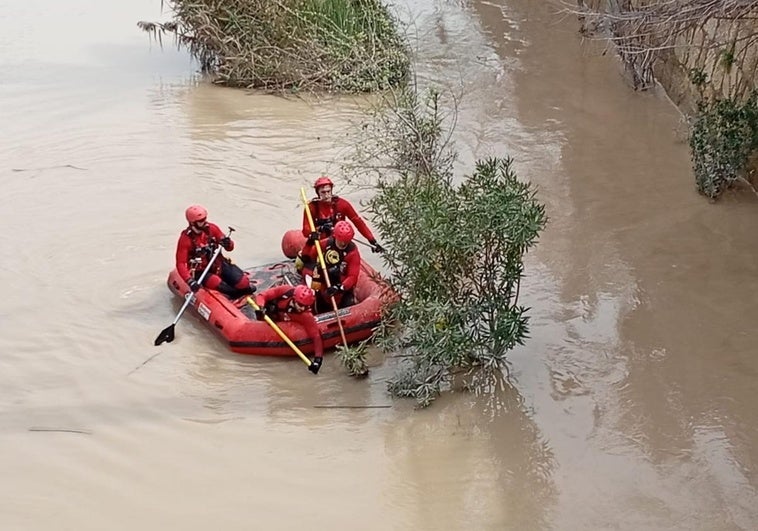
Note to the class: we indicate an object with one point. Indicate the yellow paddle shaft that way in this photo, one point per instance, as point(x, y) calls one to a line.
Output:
point(278, 330)
point(323, 264)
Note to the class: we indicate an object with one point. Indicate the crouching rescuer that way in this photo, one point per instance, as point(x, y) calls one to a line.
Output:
point(293, 303)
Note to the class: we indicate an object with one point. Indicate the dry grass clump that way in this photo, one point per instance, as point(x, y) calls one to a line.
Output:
point(336, 45)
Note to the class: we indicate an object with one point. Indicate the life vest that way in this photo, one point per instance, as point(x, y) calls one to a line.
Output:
point(326, 215)
point(334, 258)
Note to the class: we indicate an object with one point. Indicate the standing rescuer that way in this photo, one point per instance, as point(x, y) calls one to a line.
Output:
point(327, 210)
point(195, 248)
point(288, 303)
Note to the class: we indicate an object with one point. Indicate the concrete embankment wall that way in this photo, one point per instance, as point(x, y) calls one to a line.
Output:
point(719, 47)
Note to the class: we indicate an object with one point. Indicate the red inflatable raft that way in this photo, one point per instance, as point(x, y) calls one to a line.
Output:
point(235, 322)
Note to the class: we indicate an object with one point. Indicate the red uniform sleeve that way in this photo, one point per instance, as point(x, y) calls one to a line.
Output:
point(308, 321)
point(183, 250)
point(344, 207)
point(270, 294)
point(353, 262)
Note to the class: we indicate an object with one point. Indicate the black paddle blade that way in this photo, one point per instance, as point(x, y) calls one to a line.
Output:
point(315, 365)
point(166, 335)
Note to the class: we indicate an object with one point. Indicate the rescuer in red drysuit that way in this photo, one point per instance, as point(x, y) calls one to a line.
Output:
point(282, 303)
point(328, 209)
point(343, 262)
point(195, 248)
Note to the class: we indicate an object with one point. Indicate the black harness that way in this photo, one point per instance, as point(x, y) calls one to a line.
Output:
point(320, 221)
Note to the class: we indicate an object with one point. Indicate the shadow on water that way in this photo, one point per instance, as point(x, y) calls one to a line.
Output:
point(284, 391)
point(488, 438)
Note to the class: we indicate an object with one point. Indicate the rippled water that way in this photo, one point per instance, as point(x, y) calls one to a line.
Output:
point(632, 402)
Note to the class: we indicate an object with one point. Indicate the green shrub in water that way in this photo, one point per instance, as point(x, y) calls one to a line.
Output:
point(454, 253)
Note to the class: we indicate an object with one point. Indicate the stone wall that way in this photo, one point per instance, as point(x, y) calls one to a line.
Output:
point(720, 48)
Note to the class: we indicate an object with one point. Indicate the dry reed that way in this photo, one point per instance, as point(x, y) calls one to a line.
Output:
point(335, 45)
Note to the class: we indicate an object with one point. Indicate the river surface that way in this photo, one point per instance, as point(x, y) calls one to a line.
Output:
point(631, 407)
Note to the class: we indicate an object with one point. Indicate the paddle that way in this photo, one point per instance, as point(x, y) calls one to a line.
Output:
point(167, 334)
point(323, 265)
point(367, 244)
point(313, 367)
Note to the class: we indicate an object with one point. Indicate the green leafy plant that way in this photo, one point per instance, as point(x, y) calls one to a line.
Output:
point(723, 135)
point(455, 256)
point(353, 359)
point(726, 57)
point(698, 77)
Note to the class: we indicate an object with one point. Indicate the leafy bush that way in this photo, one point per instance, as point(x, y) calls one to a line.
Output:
point(454, 254)
point(724, 134)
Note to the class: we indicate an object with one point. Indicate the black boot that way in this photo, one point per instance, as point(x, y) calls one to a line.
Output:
point(227, 290)
point(246, 291)
point(315, 364)
point(242, 292)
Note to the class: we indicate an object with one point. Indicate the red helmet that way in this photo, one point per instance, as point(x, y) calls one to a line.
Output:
point(343, 231)
point(292, 242)
point(322, 181)
point(195, 213)
point(304, 295)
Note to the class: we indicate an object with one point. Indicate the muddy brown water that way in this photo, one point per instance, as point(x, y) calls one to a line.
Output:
point(632, 405)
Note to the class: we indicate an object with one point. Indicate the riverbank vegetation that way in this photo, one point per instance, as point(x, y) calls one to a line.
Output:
point(723, 135)
point(334, 45)
point(455, 251)
point(706, 55)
